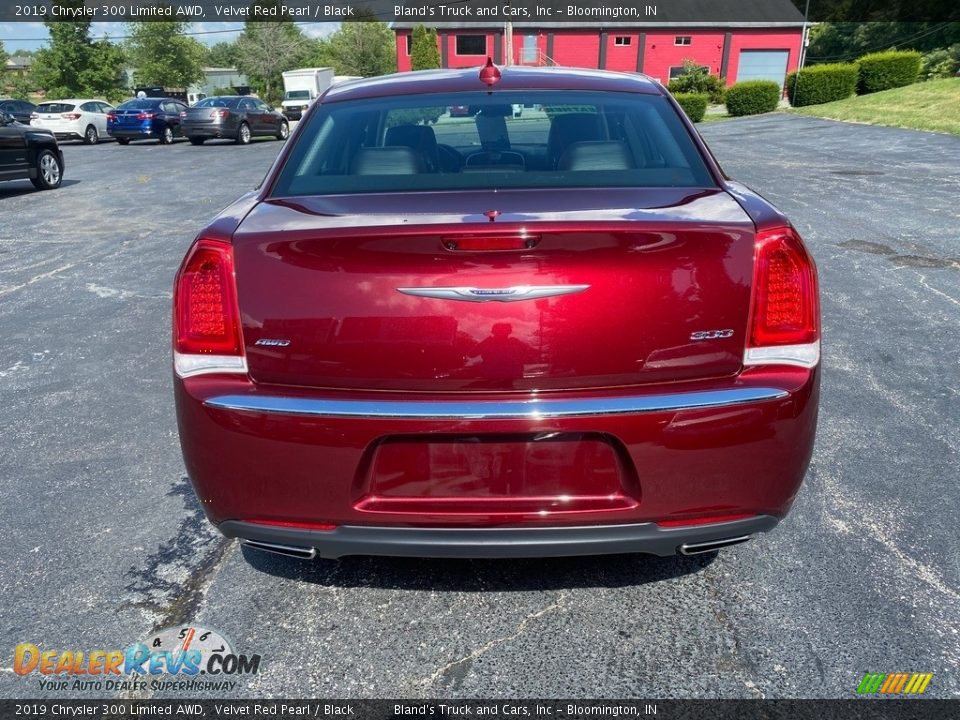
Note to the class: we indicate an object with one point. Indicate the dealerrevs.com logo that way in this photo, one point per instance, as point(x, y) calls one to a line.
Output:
point(177, 658)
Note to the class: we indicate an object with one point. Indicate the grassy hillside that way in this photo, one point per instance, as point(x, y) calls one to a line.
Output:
point(932, 105)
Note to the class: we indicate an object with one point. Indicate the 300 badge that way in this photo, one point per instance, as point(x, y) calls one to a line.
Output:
point(188, 650)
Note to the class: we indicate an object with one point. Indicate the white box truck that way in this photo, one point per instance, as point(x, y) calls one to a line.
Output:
point(301, 87)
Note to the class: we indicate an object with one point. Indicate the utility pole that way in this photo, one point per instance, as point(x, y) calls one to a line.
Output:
point(804, 37)
point(508, 38)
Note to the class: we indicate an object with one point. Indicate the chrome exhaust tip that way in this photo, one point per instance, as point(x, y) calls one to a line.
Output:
point(705, 547)
point(295, 551)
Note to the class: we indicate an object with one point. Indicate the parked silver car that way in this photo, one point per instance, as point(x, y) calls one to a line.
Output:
point(238, 118)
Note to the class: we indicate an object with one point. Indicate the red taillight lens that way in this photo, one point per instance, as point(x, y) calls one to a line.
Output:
point(206, 317)
point(220, 113)
point(785, 300)
point(145, 116)
point(488, 243)
point(111, 116)
point(70, 116)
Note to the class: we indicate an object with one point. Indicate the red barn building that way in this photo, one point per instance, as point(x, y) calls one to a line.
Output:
point(735, 51)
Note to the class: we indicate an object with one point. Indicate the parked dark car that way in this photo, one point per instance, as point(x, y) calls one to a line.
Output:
point(27, 152)
point(20, 109)
point(563, 335)
point(146, 118)
point(235, 117)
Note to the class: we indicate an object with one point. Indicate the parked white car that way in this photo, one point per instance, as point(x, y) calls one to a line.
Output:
point(74, 119)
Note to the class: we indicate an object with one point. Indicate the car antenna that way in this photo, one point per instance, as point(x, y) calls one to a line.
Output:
point(489, 73)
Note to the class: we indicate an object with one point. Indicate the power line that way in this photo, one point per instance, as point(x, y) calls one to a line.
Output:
point(882, 46)
point(190, 33)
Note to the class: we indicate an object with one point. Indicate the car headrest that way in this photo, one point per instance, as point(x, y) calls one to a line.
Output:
point(419, 137)
point(391, 160)
point(570, 128)
point(596, 155)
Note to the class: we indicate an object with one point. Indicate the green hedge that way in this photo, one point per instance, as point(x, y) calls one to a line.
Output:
point(697, 79)
point(752, 97)
point(822, 84)
point(693, 104)
point(885, 70)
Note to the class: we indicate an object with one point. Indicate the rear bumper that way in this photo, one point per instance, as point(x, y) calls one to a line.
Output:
point(134, 133)
point(208, 130)
point(382, 462)
point(497, 542)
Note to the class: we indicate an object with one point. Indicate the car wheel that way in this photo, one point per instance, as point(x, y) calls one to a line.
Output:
point(284, 131)
point(167, 137)
point(123, 141)
point(49, 171)
point(91, 136)
point(243, 134)
point(197, 140)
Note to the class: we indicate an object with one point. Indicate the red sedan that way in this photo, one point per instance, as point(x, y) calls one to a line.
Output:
point(565, 334)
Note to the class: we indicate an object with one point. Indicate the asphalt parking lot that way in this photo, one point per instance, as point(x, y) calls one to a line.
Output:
point(105, 541)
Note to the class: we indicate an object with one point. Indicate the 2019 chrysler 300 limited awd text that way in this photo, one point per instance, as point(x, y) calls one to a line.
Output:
point(566, 333)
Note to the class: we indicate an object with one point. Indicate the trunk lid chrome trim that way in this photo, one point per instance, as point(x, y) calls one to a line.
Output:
point(500, 410)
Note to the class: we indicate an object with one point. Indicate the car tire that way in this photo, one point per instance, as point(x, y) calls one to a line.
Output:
point(49, 171)
point(91, 136)
point(166, 137)
point(123, 141)
point(284, 132)
point(197, 140)
point(243, 134)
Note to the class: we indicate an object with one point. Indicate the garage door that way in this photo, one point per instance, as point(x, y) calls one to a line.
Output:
point(763, 65)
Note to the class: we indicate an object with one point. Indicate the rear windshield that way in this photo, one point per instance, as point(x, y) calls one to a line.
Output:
point(142, 104)
point(511, 139)
point(218, 102)
point(54, 107)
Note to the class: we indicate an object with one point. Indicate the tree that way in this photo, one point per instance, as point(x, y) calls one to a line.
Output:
point(162, 55)
point(842, 41)
point(223, 54)
point(364, 48)
point(104, 76)
point(58, 67)
point(424, 54)
point(266, 49)
point(3, 58)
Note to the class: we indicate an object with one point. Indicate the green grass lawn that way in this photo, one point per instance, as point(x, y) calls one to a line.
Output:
point(933, 105)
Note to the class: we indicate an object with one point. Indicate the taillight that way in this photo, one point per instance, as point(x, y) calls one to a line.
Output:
point(111, 116)
point(145, 116)
point(183, 114)
point(206, 320)
point(70, 116)
point(785, 312)
point(220, 113)
point(34, 116)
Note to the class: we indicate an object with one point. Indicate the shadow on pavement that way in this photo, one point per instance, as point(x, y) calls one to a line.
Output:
point(448, 575)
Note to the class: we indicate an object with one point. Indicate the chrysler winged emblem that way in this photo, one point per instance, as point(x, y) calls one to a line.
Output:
point(504, 294)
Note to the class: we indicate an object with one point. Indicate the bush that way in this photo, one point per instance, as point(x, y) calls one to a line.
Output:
point(693, 104)
point(885, 70)
point(822, 84)
point(697, 79)
point(942, 63)
point(752, 97)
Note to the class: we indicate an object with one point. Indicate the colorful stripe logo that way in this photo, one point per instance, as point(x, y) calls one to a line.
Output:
point(894, 683)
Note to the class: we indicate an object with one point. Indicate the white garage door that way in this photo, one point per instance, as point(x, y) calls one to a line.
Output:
point(763, 65)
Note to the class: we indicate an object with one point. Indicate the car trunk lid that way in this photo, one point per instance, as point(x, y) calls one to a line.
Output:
point(595, 289)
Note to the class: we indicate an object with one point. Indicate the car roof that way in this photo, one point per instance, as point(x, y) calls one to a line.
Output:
point(512, 78)
point(75, 101)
